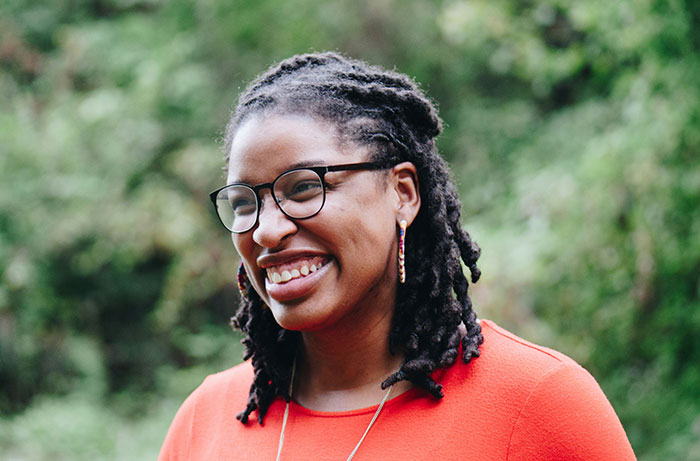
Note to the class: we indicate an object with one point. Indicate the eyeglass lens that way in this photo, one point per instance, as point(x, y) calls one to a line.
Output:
point(299, 194)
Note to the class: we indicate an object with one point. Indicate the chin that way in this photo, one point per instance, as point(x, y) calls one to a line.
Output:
point(289, 317)
point(299, 317)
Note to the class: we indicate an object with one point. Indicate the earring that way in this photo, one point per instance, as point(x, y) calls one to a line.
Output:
point(402, 248)
point(242, 282)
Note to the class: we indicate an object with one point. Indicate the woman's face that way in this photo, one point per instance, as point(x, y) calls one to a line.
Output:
point(347, 251)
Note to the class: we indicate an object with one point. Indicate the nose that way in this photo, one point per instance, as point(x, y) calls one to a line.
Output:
point(273, 225)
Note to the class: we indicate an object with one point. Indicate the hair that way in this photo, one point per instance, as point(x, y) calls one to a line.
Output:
point(387, 112)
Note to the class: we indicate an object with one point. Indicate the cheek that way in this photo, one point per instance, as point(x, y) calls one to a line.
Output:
point(237, 244)
point(371, 233)
point(244, 250)
point(242, 244)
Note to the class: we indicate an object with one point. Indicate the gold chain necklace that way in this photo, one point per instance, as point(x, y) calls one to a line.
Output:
point(286, 414)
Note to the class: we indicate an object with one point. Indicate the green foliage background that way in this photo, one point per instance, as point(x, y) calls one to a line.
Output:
point(573, 130)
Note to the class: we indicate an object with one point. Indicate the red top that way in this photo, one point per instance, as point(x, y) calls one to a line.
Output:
point(517, 401)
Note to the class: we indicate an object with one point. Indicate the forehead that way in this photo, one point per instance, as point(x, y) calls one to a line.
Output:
point(263, 148)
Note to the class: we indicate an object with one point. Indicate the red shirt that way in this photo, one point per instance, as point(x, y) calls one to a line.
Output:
point(517, 401)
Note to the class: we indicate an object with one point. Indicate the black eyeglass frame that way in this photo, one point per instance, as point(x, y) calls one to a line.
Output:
point(320, 172)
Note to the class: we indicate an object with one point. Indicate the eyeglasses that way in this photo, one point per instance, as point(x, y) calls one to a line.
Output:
point(299, 193)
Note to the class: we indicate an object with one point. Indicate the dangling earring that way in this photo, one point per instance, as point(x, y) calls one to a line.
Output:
point(402, 248)
point(242, 282)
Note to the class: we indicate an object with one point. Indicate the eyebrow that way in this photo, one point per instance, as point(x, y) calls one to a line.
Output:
point(306, 164)
point(302, 164)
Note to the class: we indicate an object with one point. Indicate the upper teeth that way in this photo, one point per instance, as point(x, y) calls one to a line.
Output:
point(286, 275)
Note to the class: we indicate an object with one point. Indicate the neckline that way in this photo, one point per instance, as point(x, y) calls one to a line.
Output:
point(409, 394)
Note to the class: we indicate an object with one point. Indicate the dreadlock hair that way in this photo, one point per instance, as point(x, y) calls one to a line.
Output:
point(386, 111)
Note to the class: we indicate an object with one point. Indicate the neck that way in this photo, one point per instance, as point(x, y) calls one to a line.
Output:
point(343, 370)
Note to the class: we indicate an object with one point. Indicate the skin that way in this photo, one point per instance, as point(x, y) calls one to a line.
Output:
point(343, 310)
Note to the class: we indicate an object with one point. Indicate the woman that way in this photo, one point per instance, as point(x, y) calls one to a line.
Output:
point(358, 326)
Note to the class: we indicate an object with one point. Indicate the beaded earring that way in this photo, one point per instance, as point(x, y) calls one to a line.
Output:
point(402, 248)
point(242, 279)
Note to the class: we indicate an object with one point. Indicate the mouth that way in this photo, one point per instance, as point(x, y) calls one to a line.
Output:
point(292, 270)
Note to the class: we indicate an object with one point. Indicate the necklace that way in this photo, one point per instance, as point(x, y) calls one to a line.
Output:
point(286, 413)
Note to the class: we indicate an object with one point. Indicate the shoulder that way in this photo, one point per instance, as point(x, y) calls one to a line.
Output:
point(529, 371)
point(514, 365)
point(229, 386)
point(218, 395)
point(505, 346)
point(509, 370)
point(556, 406)
point(234, 379)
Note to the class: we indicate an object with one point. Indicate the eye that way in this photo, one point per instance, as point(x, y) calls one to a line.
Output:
point(242, 203)
point(298, 186)
point(241, 207)
point(304, 190)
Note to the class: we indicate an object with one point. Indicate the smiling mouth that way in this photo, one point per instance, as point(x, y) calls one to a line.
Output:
point(300, 268)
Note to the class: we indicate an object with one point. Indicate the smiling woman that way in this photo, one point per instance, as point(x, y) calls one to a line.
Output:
point(355, 307)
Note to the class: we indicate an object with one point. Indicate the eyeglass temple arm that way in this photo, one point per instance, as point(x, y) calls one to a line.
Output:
point(355, 166)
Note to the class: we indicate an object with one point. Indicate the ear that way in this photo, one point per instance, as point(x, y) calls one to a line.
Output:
point(406, 187)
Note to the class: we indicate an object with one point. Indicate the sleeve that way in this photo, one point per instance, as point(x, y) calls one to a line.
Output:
point(567, 417)
point(178, 439)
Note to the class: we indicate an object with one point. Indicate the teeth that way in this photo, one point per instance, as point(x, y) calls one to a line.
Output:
point(287, 275)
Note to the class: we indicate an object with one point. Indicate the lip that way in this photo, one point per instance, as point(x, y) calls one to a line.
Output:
point(296, 288)
point(286, 256)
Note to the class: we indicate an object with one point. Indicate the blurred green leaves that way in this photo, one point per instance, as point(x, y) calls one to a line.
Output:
point(104, 158)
